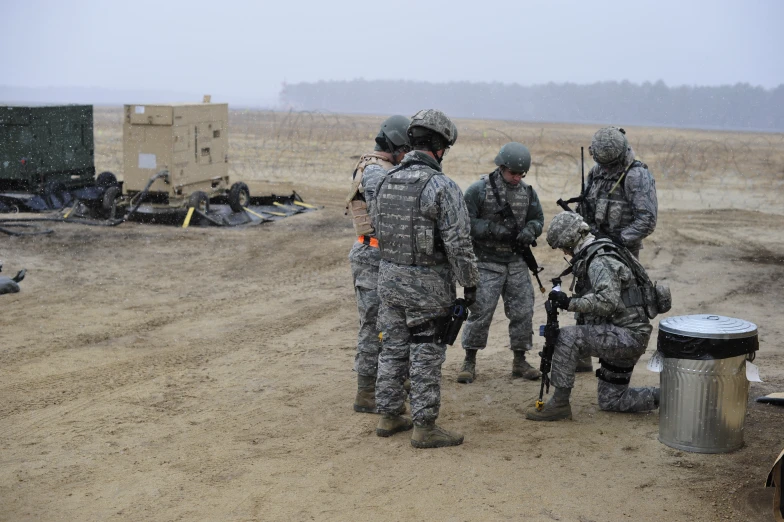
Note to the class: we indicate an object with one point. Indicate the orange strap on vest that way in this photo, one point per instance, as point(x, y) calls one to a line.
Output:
point(367, 240)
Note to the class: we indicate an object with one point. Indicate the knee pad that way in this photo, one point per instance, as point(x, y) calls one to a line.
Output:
point(612, 374)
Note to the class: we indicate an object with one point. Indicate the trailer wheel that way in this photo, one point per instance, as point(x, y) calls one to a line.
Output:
point(109, 202)
point(56, 195)
point(200, 201)
point(239, 196)
point(106, 179)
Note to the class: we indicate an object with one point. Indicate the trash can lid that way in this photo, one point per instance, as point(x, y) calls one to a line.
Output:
point(708, 326)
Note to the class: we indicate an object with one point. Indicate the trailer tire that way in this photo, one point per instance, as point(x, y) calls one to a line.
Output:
point(56, 195)
point(106, 179)
point(200, 201)
point(109, 202)
point(239, 196)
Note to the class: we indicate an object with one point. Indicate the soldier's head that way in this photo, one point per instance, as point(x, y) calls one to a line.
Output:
point(432, 131)
point(393, 137)
point(609, 146)
point(566, 231)
point(513, 161)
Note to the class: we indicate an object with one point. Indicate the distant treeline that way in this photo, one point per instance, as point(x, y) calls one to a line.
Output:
point(737, 107)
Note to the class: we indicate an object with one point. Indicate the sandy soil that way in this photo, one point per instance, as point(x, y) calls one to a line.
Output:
point(155, 373)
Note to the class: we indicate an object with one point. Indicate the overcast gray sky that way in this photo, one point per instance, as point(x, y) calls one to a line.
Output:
point(245, 50)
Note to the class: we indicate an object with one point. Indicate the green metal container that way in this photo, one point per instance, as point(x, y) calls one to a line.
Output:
point(46, 148)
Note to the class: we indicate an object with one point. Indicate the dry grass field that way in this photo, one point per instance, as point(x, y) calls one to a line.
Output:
point(155, 373)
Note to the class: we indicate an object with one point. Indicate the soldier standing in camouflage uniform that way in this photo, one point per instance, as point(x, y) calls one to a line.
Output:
point(620, 196)
point(424, 235)
point(502, 272)
point(391, 146)
point(615, 324)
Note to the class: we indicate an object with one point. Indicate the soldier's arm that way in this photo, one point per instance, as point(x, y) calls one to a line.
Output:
point(534, 220)
point(474, 198)
point(371, 179)
point(454, 226)
point(641, 191)
point(604, 274)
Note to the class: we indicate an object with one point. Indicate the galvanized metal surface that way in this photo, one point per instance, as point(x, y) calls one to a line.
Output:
point(708, 326)
point(703, 404)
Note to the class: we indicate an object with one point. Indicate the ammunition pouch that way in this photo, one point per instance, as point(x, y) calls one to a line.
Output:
point(614, 374)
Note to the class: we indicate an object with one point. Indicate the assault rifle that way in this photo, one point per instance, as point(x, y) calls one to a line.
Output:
point(523, 251)
point(550, 333)
point(577, 199)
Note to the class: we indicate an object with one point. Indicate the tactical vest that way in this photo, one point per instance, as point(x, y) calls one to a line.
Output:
point(606, 205)
point(356, 205)
point(519, 199)
point(632, 308)
point(405, 235)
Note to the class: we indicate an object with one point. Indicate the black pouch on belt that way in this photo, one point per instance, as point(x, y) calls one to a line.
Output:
point(451, 325)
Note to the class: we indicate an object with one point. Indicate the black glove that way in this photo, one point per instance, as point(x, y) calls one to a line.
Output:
point(525, 237)
point(500, 232)
point(560, 299)
point(469, 294)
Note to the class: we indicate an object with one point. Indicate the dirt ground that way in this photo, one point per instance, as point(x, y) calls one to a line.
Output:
point(154, 373)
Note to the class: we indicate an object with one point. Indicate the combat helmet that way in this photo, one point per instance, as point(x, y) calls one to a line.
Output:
point(433, 130)
point(609, 145)
point(393, 135)
point(566, 230)
point(514, 156)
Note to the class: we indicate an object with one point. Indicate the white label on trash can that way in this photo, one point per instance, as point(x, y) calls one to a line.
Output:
point(656, 363)
point(752, 372)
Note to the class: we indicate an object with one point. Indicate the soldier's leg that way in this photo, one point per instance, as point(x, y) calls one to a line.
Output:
point(518, 296)
point(368, 343)
point(393, 360)
point(619, 351)
point(480, 315)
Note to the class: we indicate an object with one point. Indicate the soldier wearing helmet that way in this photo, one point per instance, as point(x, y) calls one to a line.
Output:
point(424, 236)
point(620, 194)
point(502, 272)
point(391, 145)
point(615, 325)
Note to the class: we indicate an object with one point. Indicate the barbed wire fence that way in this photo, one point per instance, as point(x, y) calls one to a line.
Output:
point(693, 169)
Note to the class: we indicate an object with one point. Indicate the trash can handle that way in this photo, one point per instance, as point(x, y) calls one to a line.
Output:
point(713, 317)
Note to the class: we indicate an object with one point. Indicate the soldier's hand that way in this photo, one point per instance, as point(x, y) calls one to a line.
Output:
point(500, 232)
point(525, 237)
point(469, 294)
point(559, 299)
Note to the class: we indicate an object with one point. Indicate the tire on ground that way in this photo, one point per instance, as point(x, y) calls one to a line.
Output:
point(200, 201)
point(239, 196)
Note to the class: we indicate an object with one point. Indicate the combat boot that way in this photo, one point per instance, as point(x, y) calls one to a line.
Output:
point(468, 372)
point(431, 436)
point(521, 367)
point(389, 424)
point(365, 401)
point(557, 408)
point(584, 365)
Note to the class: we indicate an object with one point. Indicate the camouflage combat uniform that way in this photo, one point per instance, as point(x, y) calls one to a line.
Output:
point(365, 259)
point(425, 247)
point(615, 332)
point(502, 273)
point(629, 211)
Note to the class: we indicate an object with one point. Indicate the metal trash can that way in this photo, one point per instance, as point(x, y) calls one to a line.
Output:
point(704, 390)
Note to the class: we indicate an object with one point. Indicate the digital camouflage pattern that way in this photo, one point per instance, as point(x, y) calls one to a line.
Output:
point(511, 282)
point(416, 296)
point(566, 230)
point(612, 331)
point(485, 210)
point(628, 213)
point(613, 344)
point(437, 122)
point(608, 145)
point(364, 261)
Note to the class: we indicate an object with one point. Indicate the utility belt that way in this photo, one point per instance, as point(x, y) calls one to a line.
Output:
point(603, 373)
point(368, 240)
point(446, 328)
